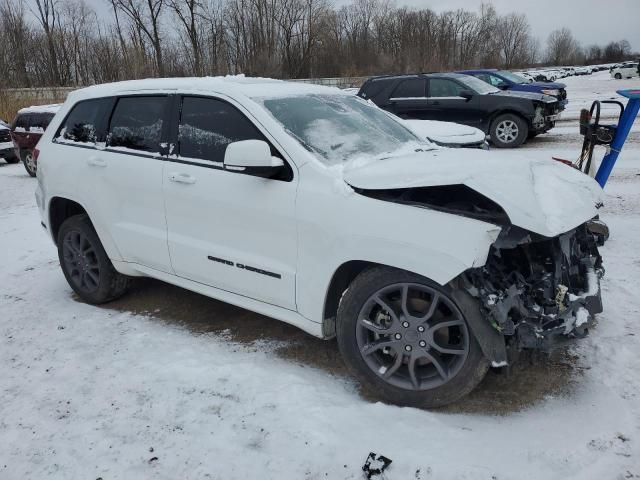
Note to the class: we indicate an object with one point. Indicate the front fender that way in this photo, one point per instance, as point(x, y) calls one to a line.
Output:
point(350, 227)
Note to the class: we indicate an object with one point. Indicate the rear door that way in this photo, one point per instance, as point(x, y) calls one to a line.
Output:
point(124, 189)
point(228, 229)
point(408, 99)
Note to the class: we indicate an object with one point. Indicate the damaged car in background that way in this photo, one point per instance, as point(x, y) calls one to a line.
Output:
point(319, 209)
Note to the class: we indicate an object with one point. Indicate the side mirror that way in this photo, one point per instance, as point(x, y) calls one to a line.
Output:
point(503, 86)
point(252, 156)
point(467, 94)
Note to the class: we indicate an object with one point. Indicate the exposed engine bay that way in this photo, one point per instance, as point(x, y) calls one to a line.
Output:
point(534, 290)
point(537, 290)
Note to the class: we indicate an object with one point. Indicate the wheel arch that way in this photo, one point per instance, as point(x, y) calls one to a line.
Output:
point(60, 209)
point(509, 111)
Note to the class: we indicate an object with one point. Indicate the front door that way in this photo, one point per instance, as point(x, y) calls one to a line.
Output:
point(446, 103)
point(227, 229)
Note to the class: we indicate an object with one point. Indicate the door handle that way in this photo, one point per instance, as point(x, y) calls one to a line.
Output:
point(182, 178)
point(96, 161)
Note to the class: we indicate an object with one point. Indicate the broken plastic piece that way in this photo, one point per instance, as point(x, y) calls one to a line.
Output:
point(375, 465)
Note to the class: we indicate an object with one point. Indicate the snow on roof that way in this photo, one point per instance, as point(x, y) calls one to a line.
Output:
point(253, 87)
point(52, 108)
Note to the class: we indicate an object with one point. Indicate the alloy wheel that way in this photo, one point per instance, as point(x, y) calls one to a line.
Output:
point(507, 131)
point(412, 336)
point(81, 261)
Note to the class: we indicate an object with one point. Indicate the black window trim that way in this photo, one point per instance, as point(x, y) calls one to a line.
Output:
point(403, 80)
point(169, 135)
point(172, 138)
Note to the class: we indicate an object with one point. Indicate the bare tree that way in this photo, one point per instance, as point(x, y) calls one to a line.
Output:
point(561, 47)
point(145, 16)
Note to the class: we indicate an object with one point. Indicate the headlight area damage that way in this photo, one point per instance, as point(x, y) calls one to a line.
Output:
point(534, 290)
point(537, 290)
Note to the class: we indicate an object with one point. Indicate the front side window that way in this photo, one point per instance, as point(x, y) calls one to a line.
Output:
point(81, 124)
point(341, 128)
point(208, 125)
point(411, 88)
point(136, 123)
point(442, 87)
point(476, 85)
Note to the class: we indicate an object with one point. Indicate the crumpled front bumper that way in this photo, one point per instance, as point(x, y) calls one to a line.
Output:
point(536, 291)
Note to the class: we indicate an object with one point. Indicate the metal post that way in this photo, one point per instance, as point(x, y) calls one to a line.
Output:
point(624, 127)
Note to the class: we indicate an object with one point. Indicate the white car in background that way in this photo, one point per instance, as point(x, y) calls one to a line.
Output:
point(448, 134)
point(629, 70)
point(312, 206)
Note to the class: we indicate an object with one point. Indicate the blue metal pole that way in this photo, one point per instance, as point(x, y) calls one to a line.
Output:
point(622, 132)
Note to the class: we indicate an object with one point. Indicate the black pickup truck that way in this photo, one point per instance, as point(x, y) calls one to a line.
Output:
point(508, 117)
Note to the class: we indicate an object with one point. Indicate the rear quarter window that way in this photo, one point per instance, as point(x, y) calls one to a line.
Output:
point(83, 123)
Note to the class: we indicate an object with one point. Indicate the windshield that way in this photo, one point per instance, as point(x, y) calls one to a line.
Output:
point(514, 77)
point(477, 85)
point(339, 127)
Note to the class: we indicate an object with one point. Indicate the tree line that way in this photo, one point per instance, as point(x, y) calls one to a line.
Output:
point(67, 43)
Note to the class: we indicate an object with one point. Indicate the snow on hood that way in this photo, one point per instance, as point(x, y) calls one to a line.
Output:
point(528, 95)
point(445, 132)
point(539, 195)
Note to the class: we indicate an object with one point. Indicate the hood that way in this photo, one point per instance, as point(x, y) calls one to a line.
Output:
point(540, 195)
point(445, 132)
point(527, 95)
point(547, 85)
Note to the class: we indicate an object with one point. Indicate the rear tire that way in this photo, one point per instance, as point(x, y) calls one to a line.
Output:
point(508, 131)
point(618, 76)
point(410, 367)
point(86, 265)
point(29, 163)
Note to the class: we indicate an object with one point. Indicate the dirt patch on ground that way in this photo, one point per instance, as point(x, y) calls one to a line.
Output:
point(530, 381)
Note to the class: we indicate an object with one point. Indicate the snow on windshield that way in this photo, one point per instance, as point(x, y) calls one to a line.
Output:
point(478, 85)
point(340, 128)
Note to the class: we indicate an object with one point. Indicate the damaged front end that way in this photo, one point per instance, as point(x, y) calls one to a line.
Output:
point(537, 290)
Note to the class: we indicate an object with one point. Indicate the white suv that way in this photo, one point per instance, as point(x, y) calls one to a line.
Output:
point(314, 207)
point(626, 70)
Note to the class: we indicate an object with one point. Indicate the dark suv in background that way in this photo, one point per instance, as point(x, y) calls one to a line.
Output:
point(508, 117)
point(26, 130)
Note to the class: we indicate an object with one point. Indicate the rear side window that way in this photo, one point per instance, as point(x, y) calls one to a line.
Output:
point(136, 123)
point(82, 123)
point(411, 88)
point(208, 125)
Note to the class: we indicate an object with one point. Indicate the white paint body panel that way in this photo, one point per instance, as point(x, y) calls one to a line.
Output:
point(448, 133)
point(302, 230)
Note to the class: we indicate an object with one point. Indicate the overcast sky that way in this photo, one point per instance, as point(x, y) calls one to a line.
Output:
point(591, 21)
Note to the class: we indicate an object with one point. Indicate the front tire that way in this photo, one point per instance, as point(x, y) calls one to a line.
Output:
point(618, 76)
point(508, 131)
point(85, 263)
point(29, 162)
point(406, 341)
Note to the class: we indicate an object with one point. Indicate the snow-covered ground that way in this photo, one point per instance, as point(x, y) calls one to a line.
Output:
point(166, 384)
